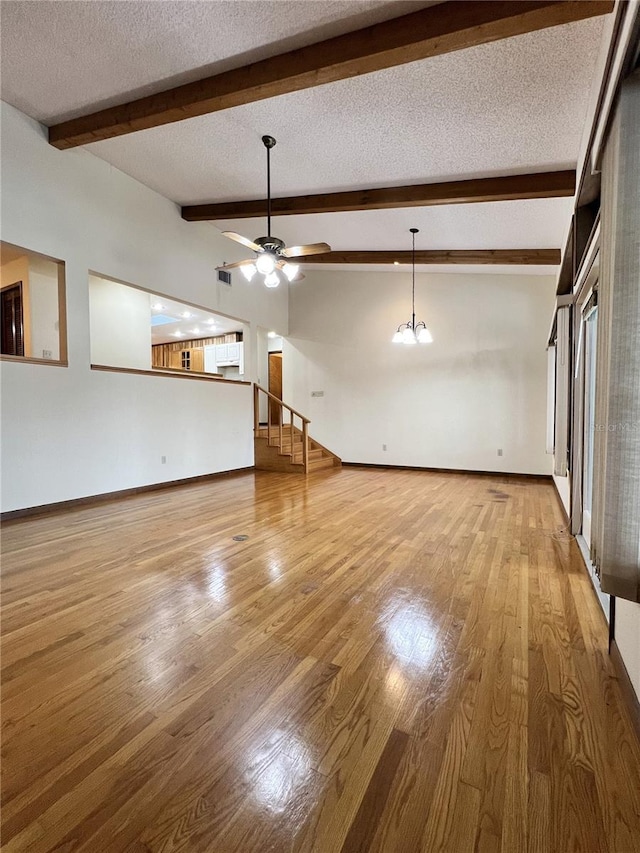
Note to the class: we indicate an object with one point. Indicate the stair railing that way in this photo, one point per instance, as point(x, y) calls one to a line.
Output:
point(274, 431)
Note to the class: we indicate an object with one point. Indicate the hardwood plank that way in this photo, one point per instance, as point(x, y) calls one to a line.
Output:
point(393, 661)
point(440, 826)
point(550, 257)
point(365, 823)
point(429, 32)
point(539, 813)
point(476, 190)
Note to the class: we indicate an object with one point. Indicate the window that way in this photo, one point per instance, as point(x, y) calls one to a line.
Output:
point(134, 328)
point(590, 342)
point(32, 302)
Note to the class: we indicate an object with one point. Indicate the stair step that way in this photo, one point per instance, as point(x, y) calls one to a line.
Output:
point(271, 455)
point(324, 462)
point(313, 454)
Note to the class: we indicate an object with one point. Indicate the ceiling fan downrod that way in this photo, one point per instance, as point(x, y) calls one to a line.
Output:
point(269, 142)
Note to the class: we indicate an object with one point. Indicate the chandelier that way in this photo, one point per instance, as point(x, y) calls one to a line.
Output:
point(412, 332)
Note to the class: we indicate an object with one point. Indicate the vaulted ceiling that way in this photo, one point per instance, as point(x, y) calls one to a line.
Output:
point(512, 106)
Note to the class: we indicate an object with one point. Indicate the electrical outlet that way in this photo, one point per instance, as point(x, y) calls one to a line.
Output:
point(384, 446)
point(47, 353)
point(163, 459)
point(499, 451)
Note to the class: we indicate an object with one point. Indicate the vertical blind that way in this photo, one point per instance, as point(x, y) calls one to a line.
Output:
point(551, 397)
point(615, 534)
point(563, 379)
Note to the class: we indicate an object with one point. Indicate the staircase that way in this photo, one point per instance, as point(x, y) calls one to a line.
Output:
point(283, 446)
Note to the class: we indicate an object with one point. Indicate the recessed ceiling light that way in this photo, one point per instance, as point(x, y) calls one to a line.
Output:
point(178, 334)
point(196, 331)
point(186, 314)
point(157, 306)
point(272, 335)
point(211, 322)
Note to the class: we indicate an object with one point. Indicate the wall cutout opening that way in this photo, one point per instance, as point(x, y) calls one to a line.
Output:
point(33, 311)
point(135, 329)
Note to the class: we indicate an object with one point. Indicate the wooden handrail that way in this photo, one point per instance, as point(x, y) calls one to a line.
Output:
point(256, 418)
point(294, 414)
point(281, 403)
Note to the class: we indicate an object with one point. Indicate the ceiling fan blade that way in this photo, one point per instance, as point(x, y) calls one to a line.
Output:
point(243, 240)
point(235, 264)
point(311, 249)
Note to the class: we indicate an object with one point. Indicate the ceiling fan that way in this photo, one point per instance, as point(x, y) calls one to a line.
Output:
point(271, 253)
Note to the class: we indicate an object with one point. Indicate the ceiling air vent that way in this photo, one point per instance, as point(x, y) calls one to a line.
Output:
point(224, 277)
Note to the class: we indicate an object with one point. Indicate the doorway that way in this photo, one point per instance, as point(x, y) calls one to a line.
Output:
point(275, 385)
point(12, 320)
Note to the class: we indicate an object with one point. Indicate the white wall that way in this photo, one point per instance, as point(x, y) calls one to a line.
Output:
point(120, 324)
point(113, 432)
point(43, 299)
point(83, 432)
point(451, 404)
point(562, 485)
point(628, 638)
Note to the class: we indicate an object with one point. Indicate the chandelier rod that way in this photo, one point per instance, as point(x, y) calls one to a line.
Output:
point(414, 231)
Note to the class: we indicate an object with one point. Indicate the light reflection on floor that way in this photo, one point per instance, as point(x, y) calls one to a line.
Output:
point(275, 570)
point(282, 764)
point(217, 584)
point(411, 635)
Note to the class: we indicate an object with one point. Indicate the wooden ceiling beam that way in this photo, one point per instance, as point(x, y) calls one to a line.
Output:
point(436, 30)
point(503, 188)
point(545, 257)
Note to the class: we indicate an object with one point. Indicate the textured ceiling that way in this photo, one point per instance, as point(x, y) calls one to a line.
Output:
point(60, 57)
point(503, 224)
point(511, 106)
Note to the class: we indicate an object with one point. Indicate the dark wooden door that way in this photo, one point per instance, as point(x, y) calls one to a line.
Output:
point(12, 320)
point(275, 384)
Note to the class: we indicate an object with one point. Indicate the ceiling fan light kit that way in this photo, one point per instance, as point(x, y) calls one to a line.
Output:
point(411, 333)
point(271, 252)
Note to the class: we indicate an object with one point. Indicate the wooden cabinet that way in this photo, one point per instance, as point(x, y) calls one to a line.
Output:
point(202, 355)
point(197, 359)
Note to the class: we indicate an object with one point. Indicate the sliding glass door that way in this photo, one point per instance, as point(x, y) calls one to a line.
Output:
point(590, 332)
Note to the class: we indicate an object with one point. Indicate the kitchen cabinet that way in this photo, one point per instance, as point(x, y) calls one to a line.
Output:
point(187, 359)
point(206, 355)
point(218, 356)
point(197, 359)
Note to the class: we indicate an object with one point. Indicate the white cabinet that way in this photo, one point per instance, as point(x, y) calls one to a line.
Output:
point(233, 353)
point(217, 356)
point(210, 364)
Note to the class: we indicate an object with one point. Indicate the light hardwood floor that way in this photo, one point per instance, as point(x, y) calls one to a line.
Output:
point(392, 662)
